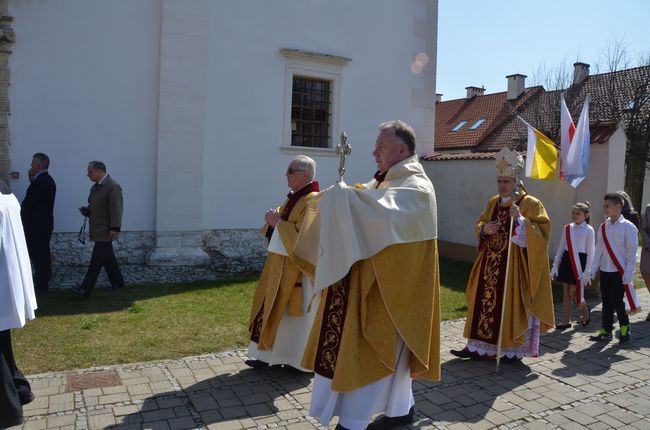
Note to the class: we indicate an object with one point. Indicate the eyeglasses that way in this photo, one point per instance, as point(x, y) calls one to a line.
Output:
point(291, 170)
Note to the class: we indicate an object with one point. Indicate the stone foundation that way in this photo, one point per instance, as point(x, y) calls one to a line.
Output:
point(231, 252)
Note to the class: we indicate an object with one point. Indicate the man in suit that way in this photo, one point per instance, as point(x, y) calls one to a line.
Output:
point(38, 220)
point(104, 211)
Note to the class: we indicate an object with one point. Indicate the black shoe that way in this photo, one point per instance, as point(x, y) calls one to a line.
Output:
point(464, 353)
point(602, 336)
point(563, 326)
point(113, 287)
point(340, 427)
point(26, 398)
point(256, 364)
point(10, 422)
point(390, 422)
point(81, 292)
point(510, 360)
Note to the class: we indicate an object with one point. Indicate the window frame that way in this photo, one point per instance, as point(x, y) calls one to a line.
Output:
point(459, 126)
point(316, 66)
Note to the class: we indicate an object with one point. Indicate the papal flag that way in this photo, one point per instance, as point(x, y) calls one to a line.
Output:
point(541, 155)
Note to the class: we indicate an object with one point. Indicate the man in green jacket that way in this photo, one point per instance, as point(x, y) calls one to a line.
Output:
point(104, 211)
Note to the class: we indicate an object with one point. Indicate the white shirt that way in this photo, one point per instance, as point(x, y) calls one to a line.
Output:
point(622, 236)
point(583, 240)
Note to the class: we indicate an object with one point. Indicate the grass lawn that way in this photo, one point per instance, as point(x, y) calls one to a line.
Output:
point(158, 321)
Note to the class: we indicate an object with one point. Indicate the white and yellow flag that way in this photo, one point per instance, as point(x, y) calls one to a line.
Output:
point(541, 155)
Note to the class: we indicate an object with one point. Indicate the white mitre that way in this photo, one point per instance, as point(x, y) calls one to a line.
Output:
point(509, 163)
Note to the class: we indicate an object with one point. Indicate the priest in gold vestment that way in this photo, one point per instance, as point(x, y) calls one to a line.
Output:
point(528, 311)
point(281, 317)
point(372, 249)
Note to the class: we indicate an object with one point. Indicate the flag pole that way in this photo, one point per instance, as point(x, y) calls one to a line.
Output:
point(505, 288)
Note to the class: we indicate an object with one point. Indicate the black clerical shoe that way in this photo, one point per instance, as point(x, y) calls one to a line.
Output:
point(26, 397)
point(256, 364)
point(81, 292)
point(5, 423)
point(113, 287)
point(340, 427)
point(390, 422)
point(510, 360)
point(464, 353)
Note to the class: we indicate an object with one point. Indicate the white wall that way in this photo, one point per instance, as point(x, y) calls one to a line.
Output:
point(463, 188)
point(244, 165)
point(84, 86)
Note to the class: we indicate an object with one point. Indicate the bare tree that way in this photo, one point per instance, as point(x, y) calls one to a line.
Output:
point(623, 95)
point(628, 100)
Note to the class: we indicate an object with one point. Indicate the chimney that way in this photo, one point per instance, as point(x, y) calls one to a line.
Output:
point(474, 91)
point(516, 85)
point(438, 97)
point(580, 72)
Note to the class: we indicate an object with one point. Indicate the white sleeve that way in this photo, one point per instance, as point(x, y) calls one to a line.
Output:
point(560, 251)
point(520, 233)
point(631, 245)
point(591, 248)
point(598, 254)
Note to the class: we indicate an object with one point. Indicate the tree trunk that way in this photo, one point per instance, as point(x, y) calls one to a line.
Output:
point(634, 178)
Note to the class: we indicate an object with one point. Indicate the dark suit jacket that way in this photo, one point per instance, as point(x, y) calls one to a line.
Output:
point(37, 209)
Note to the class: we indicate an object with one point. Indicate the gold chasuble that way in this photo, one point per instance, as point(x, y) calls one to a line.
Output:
point(373, 250)
point(529, 284)
point(279, 287)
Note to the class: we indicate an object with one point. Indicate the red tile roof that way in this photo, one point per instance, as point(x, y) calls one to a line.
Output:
point(443, 156)
point(610, 93)
point(494, 108)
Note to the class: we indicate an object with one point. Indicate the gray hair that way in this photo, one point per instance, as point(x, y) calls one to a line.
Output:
point(403, 132)
point(42, 160)
point(305, 164)
point(97, 165)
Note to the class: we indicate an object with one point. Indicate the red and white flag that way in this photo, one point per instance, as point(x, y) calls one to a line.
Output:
point(576, 167)
point(567, 130)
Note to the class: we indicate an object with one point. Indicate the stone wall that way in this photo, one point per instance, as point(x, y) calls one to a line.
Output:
point(7, 38)
point(231, 252)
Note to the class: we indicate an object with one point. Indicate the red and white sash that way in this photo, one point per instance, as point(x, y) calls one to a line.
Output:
point(632, 304)
point(576, 268)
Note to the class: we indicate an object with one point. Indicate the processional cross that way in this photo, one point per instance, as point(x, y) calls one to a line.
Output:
point(343, 149)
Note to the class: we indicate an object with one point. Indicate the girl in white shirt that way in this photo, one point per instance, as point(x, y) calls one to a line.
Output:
point(582, 241)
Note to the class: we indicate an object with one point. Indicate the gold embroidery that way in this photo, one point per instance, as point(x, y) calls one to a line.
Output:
point(332, 328)
point(495, 251)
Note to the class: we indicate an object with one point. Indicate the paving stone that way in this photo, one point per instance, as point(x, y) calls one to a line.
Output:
point(571, 385)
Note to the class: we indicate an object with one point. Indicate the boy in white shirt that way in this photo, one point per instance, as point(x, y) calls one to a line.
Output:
point(615, 257)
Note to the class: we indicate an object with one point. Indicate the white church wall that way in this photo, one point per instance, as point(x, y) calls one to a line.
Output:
point(84, 86)
point(110, 81)
point(244, 164)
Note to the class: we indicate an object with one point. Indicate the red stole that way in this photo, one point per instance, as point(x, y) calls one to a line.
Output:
point(293, 198)
point(573, 258)
point(630, 292)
